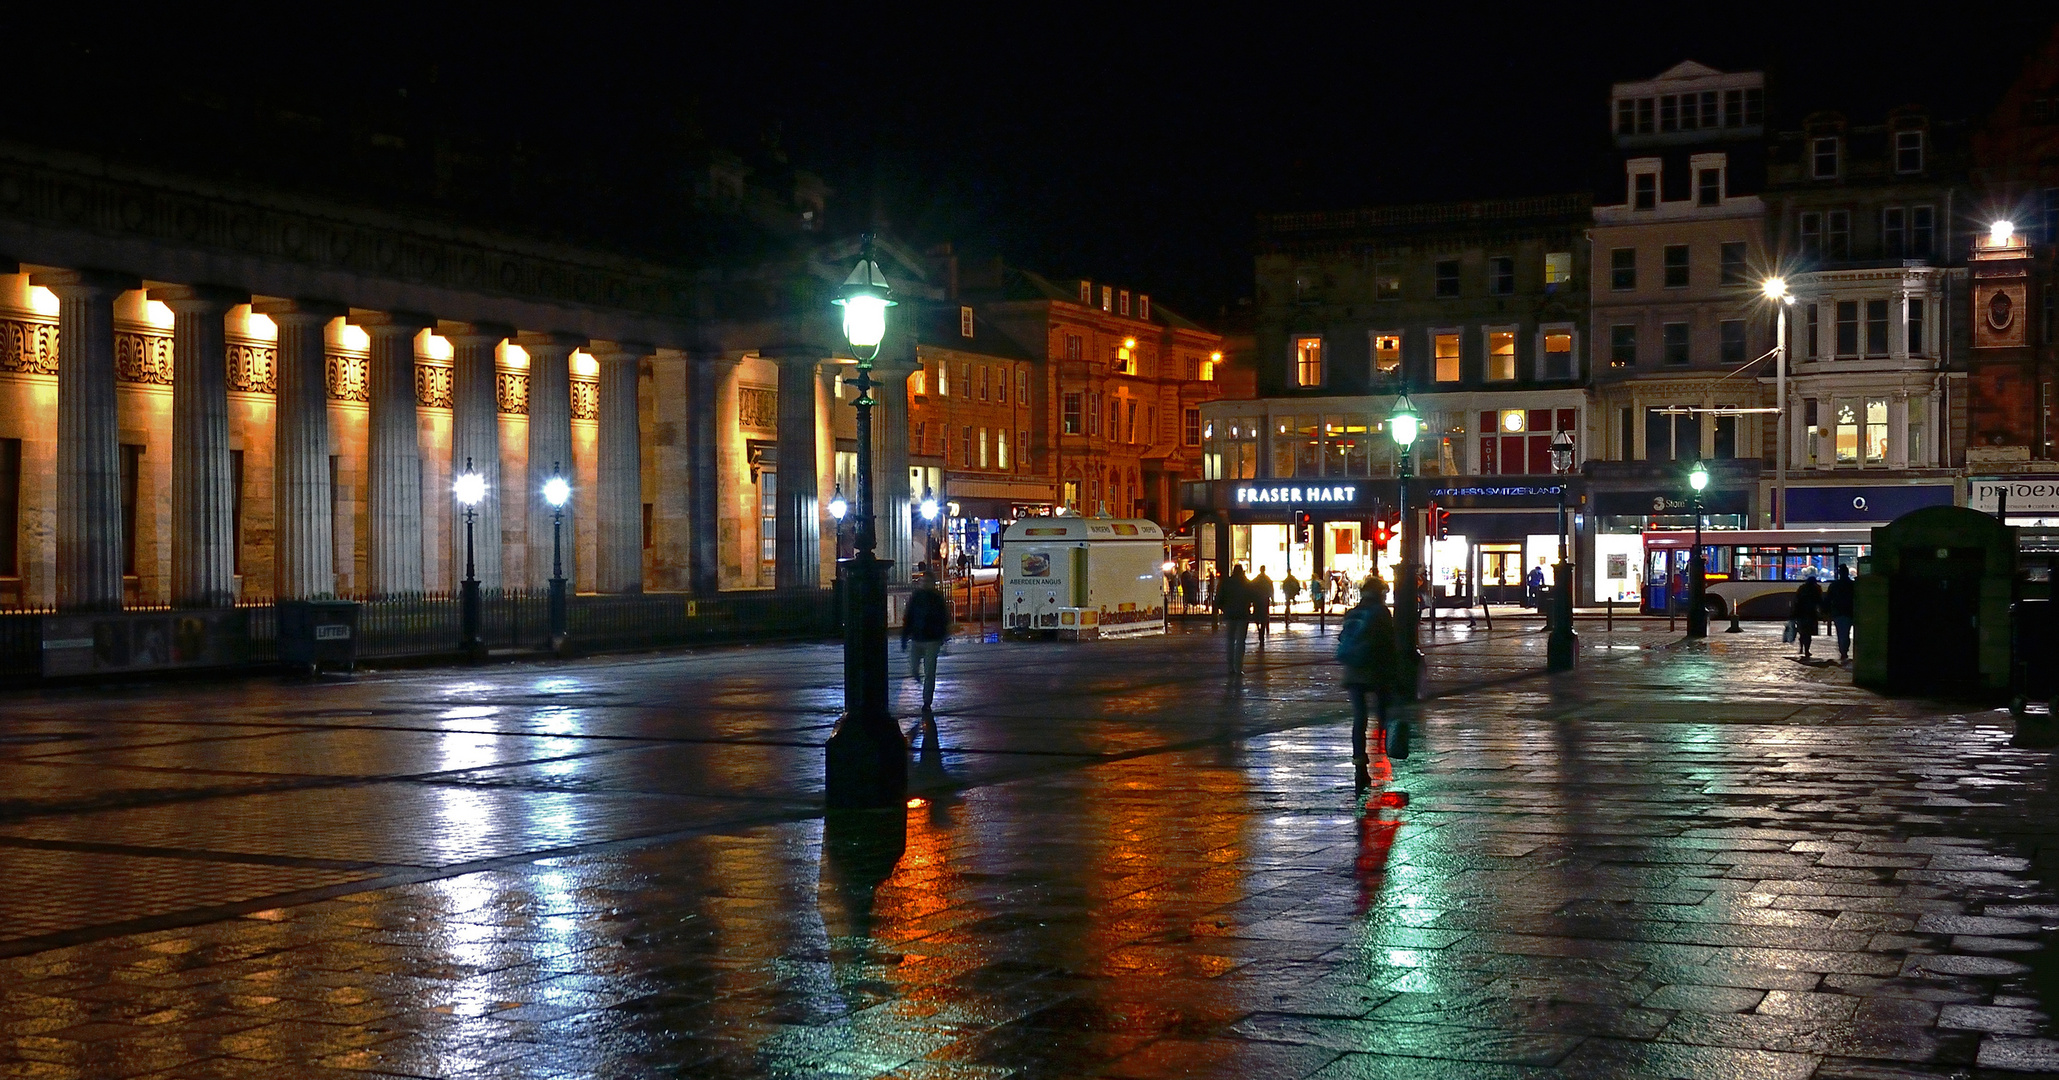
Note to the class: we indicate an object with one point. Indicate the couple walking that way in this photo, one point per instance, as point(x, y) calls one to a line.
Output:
point(1241, 599)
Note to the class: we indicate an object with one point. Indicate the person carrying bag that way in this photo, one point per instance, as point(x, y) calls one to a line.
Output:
point(1371, 656)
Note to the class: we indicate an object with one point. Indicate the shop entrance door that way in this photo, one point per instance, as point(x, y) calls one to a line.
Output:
point(1665, 581)
point(1501, 573)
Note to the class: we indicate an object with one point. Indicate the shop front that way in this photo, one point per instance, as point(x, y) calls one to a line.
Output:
point(1501, 539)
point(2021, 500)
point(1252, 523)
point(1866, 505)
point(1625, 571)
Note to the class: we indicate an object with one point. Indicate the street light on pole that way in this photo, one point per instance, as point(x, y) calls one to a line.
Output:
point(929, 509)
point(1775, 289)
point(1697, 571)
point(557, 492)
point(1560, 648)
point(1404, 425)
point(470, 487)
point(866, 763)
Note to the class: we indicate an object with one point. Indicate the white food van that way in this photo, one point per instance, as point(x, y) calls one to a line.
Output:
point(1082, 578)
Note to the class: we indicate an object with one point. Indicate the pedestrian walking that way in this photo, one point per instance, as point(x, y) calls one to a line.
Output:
point(1837, 602)
point(1367, 648)
point(926, 625)
point(1291, 588)
point(1808, 610)
point(1233, 597)
point(1262, 602)
point(1190, 586)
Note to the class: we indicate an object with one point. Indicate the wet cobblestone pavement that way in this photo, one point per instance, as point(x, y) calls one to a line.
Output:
point(1680, 861)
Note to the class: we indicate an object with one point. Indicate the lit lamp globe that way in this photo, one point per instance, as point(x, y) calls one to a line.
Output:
point(2000, 232)
point(929, 508)
point(469, 488)
point(1774, 288)
point(1699, 478)
point(865, 303)
point(837, 506)
point(556, 491)
point(1404, 425)
point(1562, 451)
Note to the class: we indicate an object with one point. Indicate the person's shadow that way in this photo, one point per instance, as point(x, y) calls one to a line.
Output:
point(926, 742)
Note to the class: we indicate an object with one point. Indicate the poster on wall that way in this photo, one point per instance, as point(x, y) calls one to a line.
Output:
point(1619, 566)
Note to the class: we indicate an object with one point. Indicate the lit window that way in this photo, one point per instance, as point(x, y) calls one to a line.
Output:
point(1446, 353)
point(1386, 286)
point(943, 380)
point(1847, 434)
point(964, 322)
point(1107, 298)
point(1908, 151)
point(1001, 449)
point(1087, 293)
point(1558, 268)
point(1308, 361)
point(1876, 430)
point(917, 381)
point(1501, 354)
point(1823, 157)
point(1558, 354)
point(1386, 354)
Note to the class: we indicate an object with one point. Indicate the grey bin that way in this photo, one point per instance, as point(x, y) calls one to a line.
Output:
point(317, 634)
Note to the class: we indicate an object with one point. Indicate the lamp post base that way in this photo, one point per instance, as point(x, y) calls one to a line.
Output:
point(1564, 645)
point(558, 633)
point(865, 764)
point(472, 643)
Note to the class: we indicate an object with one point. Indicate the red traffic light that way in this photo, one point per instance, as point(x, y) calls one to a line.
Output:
point(1382, 534)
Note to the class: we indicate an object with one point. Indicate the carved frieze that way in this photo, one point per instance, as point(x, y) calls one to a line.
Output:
point(432, 385)
point(586, 400)
point(347, 378)
point(142, 358)
point(253, 368)
point(29, 348)
point(511, 392)
point(757, 408)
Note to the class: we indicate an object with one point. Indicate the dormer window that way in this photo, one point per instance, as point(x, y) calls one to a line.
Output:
point(965, 322)
point(1909, 151)
point(1123, 302)
point(1107, 298)
point(1824, 157)
point(1144, 306)
point(1708, 185)
point(1644, 191)
point(1087, 293)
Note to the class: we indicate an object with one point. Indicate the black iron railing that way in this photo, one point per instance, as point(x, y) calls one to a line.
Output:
point(429, 625)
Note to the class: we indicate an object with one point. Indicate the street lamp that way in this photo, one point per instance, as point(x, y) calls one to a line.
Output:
point(1404, 425)
point(1559, 649)
point(1697, 583)
point(557, 492)
point(866, 761)
point(470, 487)
point(1775, 289)
point(929, 510)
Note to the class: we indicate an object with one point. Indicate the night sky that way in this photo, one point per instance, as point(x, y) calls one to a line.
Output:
point(1069, 138)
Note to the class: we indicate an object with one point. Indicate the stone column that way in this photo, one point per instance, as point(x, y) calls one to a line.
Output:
point(475, 437)
point(89, 496)
point(797, 547)
point(304, 541)
point(619, 558)
point(203, 533)
point(393, 437)
point(705, 375)
point(550, 443)
point(893, 503)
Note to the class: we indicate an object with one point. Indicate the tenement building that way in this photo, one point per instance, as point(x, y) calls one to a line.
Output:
point(1478, 312)
point(213, 394)
point(1871, 216)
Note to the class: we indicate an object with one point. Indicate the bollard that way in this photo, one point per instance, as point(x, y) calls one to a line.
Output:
point(1612, 615)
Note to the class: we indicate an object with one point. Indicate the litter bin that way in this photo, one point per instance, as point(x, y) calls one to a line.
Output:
point(317, 634)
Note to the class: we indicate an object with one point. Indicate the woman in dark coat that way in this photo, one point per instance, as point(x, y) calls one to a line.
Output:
point(1808, 610)
point(1367, 648)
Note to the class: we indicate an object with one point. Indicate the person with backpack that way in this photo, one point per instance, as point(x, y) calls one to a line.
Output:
point(1367, 648)
point(1808, 610)
point(1837, 603)
point(1291, 588)
point(927, 623)
point(1233, 598)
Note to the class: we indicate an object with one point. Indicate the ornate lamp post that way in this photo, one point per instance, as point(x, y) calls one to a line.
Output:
point(1403, 424)
point(866, 764)
point(1697, 584)
point(469, 488)
point(557, 492)
point(1560, 649)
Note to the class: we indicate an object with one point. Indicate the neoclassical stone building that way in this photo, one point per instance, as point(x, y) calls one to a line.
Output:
point(212, 393)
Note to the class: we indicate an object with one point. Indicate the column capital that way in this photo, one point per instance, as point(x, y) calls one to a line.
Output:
point(85, 282)
point(550, 339)
point(298, 312)
point(198, 298)
point(391, 322)
point(461, 333)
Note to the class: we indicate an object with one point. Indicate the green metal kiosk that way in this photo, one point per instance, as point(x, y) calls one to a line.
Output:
point(1931, 609)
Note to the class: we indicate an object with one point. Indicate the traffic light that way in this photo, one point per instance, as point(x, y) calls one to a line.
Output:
point(1440, 522)
point(1301, 526)
point(1382, 533)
